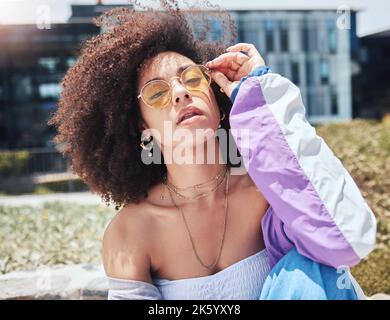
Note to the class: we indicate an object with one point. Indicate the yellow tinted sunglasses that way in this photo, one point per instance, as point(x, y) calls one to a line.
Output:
point(156, 94)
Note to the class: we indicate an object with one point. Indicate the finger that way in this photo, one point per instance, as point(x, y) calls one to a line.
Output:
point(233, 65)
point(220, 78)
point(230, 74)
point(222, 81)
point(245, 69)
point(225, 60)
point(235, 75)
point(247, 47)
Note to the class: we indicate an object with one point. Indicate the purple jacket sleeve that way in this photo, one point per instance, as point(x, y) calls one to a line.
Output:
point(315, 204)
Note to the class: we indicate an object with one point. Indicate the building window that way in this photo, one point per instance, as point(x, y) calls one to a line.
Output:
point(241, 35)
point(321, 102)
point(49, 63)
point(251, 34)
point(316, 102)
point(305, 37)
point(334, 108)
point(324, 71)
point(284, 36)
point(269, 35)
point(332, 36)
point(22, 88)
point(281, 67)
point(49, 90)
point(295, 72)
point(70, 61)
point(310, 78)
point(311, 102)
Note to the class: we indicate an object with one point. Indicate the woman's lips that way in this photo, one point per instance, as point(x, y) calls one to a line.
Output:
point(188, 113)
point(192, 119)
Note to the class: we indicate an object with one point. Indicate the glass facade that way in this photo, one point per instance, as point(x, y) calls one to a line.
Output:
point(32, 64)
point(307, 47)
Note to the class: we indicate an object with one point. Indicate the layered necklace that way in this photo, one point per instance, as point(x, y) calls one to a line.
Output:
point(212, 184)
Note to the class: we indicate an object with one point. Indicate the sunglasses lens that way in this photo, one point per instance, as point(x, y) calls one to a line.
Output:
point(196, 78)
point(156, 94)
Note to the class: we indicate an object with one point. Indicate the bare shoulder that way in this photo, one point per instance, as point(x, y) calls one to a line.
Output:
point(126, 246)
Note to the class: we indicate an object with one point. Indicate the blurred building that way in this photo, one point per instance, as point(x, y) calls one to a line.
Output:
point(307, 47)
point(371, 98)
point(304, 45)
point(32, 63)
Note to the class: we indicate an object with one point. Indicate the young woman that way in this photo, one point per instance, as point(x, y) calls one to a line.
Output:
point(285, 228)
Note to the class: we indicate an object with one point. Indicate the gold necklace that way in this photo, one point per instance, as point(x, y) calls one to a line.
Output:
point(198, 186)
point(211, 266)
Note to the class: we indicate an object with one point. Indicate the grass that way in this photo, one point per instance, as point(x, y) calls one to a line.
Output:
point(59, 233)
point(364, 148)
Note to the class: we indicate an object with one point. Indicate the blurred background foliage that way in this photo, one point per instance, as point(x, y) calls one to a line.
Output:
point(12, 163)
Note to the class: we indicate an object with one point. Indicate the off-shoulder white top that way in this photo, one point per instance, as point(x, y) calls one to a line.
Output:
point(242, 280)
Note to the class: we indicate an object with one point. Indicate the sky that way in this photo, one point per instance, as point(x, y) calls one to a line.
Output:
point(373, 16)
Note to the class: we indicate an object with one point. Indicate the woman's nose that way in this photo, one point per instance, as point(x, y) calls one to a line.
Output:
point(180, 95)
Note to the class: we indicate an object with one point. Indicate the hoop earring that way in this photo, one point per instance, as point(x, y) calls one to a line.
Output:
point(147, 144)
point(223, 117)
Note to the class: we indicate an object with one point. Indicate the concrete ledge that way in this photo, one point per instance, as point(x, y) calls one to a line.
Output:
point(380, 296)
point(80, 282)
point(83, 197)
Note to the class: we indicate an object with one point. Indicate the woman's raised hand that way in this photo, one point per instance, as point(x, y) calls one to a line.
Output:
point(230, 67)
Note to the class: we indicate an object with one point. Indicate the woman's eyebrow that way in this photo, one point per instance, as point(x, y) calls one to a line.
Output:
point(179, 70)
point(182, 68)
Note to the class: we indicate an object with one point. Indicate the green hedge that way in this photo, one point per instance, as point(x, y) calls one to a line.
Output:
point(12, 162)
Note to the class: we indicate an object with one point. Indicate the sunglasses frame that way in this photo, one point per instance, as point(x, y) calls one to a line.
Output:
point(170, 86)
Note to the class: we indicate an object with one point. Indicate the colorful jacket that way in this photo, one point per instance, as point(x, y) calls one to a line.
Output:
point(315, 204)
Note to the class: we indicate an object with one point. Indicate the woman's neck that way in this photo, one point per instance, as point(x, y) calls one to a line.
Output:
point(183, 175)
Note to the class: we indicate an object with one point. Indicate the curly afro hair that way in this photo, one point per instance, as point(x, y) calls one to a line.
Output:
point(98, 116)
